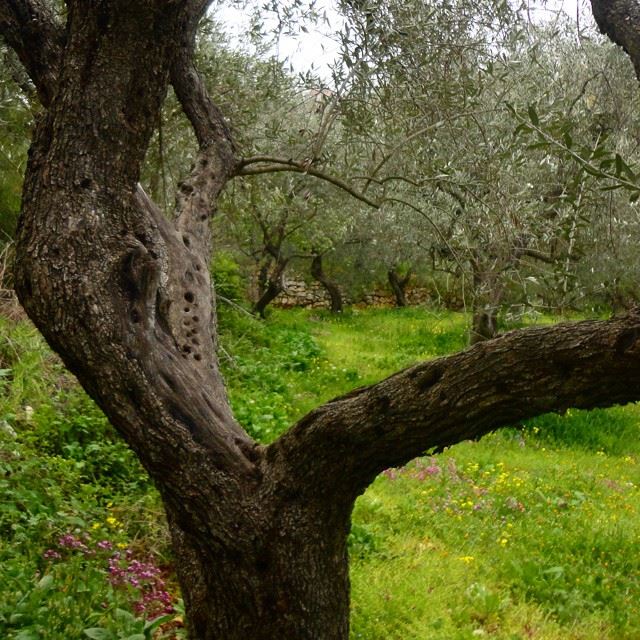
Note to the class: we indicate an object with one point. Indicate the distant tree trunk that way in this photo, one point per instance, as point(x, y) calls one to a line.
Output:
point(263, 277)
point(488, 294)
point(398, 286)
point(274, 286)
point(484, 324)
point(331, 287)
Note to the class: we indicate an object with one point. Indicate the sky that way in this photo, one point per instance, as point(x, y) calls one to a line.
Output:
point(315, 50)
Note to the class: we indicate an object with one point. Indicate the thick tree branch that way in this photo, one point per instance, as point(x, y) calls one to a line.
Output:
point(538, 255)
point(438, 403)
point(216, 162)
point(32, 30)
point(620, 21)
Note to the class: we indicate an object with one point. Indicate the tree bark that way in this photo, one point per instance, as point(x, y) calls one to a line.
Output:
point(317, 271)
point(484, 324)
point(282, 572)
point(620, 21)
point(398, 286)
point(274, 286)
point(123, 295)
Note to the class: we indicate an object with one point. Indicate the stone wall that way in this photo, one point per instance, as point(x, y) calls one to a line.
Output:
point(299, 293)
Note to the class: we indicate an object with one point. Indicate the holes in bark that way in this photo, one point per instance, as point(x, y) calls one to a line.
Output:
point(195, 342)
point(186, 240)
point(189, 297)
point(626, 340)
point(383, 403)
point(203, 217)
point(196, 319)
point(186, 309)
point(135, 316)
point(501, 388)
point(197, 356)
point(197, 267)
point(429, 378)
point(102, 20)
point(85, 183)
point(262, 564)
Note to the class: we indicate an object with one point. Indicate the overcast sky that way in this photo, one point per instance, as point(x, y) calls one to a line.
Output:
point(316, 49)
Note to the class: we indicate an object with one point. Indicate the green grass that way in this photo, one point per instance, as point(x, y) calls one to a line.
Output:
point(532, 532)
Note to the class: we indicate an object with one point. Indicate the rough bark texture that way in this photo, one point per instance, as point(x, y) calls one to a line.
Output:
point(123, 295)
point(620, 21)
point(317, 272)
point(273, 285)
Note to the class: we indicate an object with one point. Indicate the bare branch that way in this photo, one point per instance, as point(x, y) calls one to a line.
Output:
point(33, 31)
point(275, 165)
point(438, 403)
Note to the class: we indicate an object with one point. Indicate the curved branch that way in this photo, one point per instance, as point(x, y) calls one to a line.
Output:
point(275, 165)
point(216, 162)
point(435, 404)
point(32, 30)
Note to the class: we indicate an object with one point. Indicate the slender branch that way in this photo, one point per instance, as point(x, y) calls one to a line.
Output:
point(33, 31)
point(415, 183)
point(432, 405)
point(275, 165)
point(585, 163)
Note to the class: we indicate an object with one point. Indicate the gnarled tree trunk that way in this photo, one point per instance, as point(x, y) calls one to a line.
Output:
point(317, 271)
point(399, 286)
point(272, 285)
point(484, 324)
point(123, 295)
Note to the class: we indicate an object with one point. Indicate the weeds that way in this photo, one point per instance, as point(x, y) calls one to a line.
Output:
point(529, 533)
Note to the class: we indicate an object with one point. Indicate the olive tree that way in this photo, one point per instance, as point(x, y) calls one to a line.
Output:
point(122, 293)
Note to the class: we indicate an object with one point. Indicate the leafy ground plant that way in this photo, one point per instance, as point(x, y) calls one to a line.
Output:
point(528, 533)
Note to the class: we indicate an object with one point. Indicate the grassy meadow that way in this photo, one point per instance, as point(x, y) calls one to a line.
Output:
point(531, 533)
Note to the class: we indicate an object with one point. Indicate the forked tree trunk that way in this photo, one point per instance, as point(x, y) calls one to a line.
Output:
point(317, 271)
point(123, 295)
